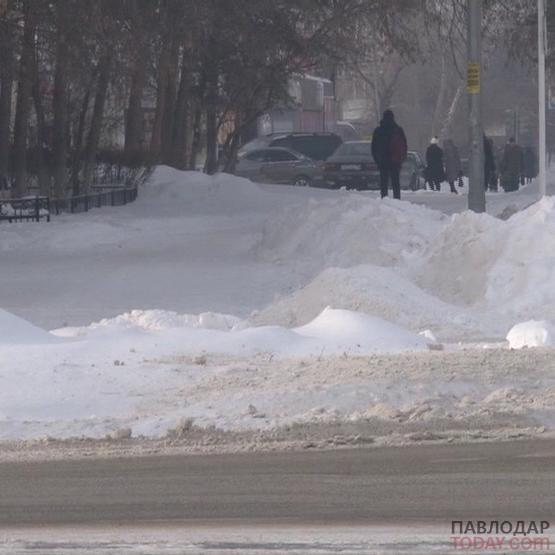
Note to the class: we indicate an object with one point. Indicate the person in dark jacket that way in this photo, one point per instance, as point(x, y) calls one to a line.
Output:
point(389, 149)
point(435, 172)
point(489, 165)
point(529, 164)
point(453, 168)
point(511, 166)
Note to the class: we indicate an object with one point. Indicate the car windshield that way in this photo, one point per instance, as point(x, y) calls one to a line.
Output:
point(354, 149)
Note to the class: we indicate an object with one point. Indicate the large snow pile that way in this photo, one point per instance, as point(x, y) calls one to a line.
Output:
point(349, 231)
point(332, 332)
point(16, 331)
point(532, 334)
point(152, 320)
point(466, 277)
point(382, 292)
point(502, 266)
point(346, 331)
point(172, 192)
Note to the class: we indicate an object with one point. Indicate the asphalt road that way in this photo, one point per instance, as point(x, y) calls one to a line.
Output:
point(364, 486)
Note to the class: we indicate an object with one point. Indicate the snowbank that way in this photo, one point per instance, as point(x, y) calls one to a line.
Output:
point(152, 320)
point(384, 293)
point(332, 332)
point(349, 230)
point(120, 372)
point(16, 331)
point(532, 334)
point(507, 267)
point(170, 192)
point(343, 330)
point(146, 379)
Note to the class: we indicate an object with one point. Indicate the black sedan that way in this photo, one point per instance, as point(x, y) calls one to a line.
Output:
point(352, 166)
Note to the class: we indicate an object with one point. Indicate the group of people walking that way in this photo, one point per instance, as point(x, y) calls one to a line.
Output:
point(517, 165)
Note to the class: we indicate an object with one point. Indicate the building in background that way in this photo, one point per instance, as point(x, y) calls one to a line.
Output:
point(313, 108)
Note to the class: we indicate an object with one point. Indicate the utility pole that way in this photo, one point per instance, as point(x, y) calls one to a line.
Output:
point(476, 190)
point(542, 46)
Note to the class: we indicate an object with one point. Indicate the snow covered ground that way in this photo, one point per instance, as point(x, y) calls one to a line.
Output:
point(371, 540)
point(218, 302)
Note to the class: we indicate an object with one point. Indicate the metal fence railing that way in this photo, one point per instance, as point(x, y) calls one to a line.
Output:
point(32, 209)
point(113, 186)
point(83, 203)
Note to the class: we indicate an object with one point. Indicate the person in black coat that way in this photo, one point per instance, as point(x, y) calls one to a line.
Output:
point(453, 168)
point(489, 165)
point(435, 172)
point(511, 166)
point(389, 150)
point(529, 164)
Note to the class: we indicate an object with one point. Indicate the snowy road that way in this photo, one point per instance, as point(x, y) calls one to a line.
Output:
point(387, 500)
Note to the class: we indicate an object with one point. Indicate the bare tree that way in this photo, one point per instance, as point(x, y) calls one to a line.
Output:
point(23, 106)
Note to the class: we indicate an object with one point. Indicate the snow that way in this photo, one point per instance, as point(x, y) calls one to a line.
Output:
point(343, 330)
point(16, 331)
point(532, 334)
point(238, 305)
point(333, 332)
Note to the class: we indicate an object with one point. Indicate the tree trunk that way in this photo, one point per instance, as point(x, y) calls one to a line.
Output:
point(96, 120)
point(211, 165)
point(6, 77)
point(60, 108)
point(78, 143)
point(180, 123)
point(231, 148)
point(452, 111)
point(162, 80)
point(195, 143)
point(43, 168)
point(134, 119)
point(440, 101)
point(168, 117)
point(25, 85)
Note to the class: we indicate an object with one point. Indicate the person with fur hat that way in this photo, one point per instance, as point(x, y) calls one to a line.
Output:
point(435, 172)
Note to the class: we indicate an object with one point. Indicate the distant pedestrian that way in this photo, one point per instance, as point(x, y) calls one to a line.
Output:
point(389, 149)
point(489, 165)
point(435, 173)
point(453, 168)
point(529, 164)
point(511, 166)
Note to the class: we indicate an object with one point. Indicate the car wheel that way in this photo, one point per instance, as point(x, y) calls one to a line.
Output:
point(302, 181)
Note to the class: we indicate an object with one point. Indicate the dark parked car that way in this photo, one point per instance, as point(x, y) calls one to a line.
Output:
point(278, 165)
point(353, 166)
point(317, 146)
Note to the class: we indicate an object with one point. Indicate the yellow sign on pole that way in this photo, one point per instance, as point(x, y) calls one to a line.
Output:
point(473, 78)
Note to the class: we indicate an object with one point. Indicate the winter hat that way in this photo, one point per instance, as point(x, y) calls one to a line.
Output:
point(388, 117)
point(434, 141)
